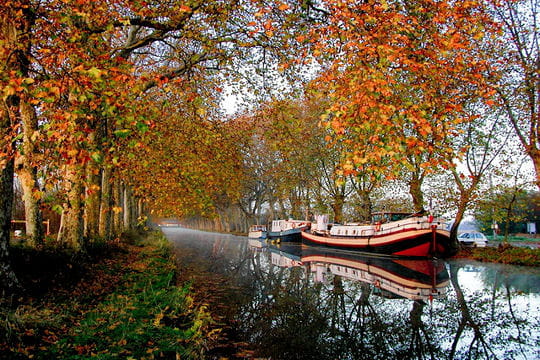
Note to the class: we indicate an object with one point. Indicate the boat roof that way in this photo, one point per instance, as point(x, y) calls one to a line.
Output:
point(392, 212)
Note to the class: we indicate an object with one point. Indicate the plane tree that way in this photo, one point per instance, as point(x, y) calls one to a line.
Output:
point(507, 204)
point(15, 25)
point(257, 181)
point(514, 75)
point(190, 174)
point(286, 128)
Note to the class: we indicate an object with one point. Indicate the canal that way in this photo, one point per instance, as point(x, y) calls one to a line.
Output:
point(290, 301)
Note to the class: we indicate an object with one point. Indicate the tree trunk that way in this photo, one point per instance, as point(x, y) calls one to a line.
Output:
point(106, 203)
point(535, 156)
point(140, 212)
point(32, 205)
point(465, 195)
point(118, 200)
point(71, 233)
point(128, 208)
point(93, 200)
point(8, 279)
point(366, 206)
point(337, 207)
point(415, 189)
point(27, 173)
point(457, 221)
point(462, 207)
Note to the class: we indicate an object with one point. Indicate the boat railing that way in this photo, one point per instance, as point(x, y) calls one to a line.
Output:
point(257, 228)
point(421, 222)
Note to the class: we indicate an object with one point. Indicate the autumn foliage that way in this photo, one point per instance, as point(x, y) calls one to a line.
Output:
point(111, 109)
point(110, 113)
point(400, 75)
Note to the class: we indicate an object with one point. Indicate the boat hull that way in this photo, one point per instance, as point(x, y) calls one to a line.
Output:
point(293, 235)
point(257, 235)
point(422, 243)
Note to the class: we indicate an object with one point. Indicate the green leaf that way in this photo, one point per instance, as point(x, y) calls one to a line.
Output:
point(97, 157)
point(122, 133)
point(58, 209)
point(95, 72)
point(142, 127)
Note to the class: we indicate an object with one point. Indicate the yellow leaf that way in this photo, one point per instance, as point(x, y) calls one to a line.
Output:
point(157, 320)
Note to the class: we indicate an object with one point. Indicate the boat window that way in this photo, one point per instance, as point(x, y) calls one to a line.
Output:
point(384, 217)
point(396, 217)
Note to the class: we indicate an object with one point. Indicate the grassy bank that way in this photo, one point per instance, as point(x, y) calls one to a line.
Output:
point(118, 301)
point(504, 254)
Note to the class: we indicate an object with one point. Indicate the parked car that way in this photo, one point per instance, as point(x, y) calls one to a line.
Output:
point(473, 238)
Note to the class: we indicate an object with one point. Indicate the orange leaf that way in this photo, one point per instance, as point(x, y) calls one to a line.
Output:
point(283, 7)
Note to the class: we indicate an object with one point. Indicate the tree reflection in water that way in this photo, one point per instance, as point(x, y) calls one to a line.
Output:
point(295, 313)
point(292, 304)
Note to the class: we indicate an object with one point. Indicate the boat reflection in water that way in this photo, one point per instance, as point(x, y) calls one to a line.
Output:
point(286, 254)
point(414, 279)
point(256, 244)
point(411, 279)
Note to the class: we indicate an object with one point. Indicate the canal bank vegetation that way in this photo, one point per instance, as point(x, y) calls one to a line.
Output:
point(119, 300)
point(503, 254)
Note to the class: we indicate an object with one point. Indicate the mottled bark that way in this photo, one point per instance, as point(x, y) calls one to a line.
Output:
point(8, 279)
point(92, 200)
point(128, 208)
point(118, 200)
point(32, 204)
point(535, 156)
point(337, 207)
point(455, 225)
point(465, 195)
point(366, 206)
point(27, 173)
point(106, 203)
point(415, 189)
point(71, 231)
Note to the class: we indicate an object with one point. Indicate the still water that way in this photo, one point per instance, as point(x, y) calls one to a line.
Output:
point(299, 302)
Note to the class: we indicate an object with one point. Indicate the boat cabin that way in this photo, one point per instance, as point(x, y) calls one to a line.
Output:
point(257, 228)
point(388, 216)
point(284, 225)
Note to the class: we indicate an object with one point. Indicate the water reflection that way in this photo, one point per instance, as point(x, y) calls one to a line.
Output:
point(391, 278)
point(335, 304)
point(297, 302)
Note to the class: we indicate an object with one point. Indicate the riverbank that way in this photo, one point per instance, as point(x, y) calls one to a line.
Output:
point(120, 300)
point(503, 253)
